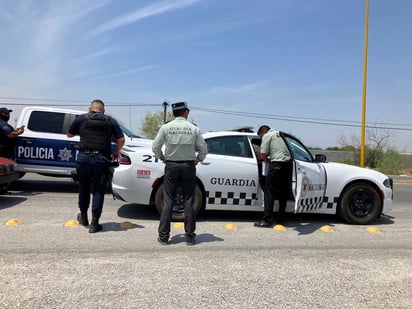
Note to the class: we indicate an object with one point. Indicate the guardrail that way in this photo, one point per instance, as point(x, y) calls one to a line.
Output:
point(402, 179)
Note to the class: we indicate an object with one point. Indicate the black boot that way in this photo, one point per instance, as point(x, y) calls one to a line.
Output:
point(82, 218)
point(95, 226)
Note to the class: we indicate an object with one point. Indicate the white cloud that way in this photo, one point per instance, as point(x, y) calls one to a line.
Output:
point(147, 11)
point(37, 33)
point(238, 89)
point(50, 28)
point(98, 53)
point(126, 72)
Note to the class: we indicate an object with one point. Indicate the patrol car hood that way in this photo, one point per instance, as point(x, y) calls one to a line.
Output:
point(138, 142)
point(333, 168)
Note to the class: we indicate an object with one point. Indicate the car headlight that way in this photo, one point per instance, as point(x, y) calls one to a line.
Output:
point(388, 183)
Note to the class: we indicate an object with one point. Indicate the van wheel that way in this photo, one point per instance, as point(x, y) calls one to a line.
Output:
point(178, 207)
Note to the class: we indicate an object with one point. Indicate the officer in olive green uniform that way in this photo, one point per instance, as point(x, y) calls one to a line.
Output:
point(274, 149)
point(182, 140)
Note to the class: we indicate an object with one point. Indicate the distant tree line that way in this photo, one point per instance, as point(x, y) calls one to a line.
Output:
point(379, 154)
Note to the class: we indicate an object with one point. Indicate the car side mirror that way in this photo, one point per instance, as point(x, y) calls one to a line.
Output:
point(320, 158)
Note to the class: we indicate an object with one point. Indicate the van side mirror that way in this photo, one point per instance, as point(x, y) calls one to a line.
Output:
point(320, 158)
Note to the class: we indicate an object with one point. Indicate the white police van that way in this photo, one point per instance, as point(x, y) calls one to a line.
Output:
point(45, 149)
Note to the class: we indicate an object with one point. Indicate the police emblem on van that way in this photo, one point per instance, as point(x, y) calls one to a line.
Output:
point(65, 154)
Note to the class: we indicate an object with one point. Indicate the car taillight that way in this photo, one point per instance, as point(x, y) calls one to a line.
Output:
point(124, 159)
point(6, 169)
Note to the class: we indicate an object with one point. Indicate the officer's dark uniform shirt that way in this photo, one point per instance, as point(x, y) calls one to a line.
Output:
point(90, 127)
point(6, 129)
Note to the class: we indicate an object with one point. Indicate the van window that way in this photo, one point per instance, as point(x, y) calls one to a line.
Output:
point(50, 122)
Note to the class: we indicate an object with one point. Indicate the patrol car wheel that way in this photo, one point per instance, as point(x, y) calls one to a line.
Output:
point(178, 207)
point(360, 204)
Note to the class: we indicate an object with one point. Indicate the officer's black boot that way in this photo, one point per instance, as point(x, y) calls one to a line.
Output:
point(95, 226)
point(82, 218)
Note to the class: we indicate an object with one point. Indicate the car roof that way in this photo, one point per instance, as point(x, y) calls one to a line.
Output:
point(53, 109)
point(227, 133)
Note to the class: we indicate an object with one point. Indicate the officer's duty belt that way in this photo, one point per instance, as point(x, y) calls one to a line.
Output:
point(91, 151)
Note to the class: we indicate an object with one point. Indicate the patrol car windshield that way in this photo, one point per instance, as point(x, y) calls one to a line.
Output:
point(128, 132)
point(298, 150)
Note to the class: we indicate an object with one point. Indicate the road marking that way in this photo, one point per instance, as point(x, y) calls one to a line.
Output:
point(72, 223)
point(327, 229)
point(13, 222)
point(373, 229)
point(279, 227)
point(126, 225)
point(231, 226)
point(179, 225)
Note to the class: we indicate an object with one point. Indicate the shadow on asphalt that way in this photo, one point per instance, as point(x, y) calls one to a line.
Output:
point(8, 200)
point(27, 187)
point(303, 223)
point(200, 238)
point(136, 211)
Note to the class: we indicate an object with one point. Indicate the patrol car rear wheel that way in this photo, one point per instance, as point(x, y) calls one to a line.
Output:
point(360, 204)
point(178, 207)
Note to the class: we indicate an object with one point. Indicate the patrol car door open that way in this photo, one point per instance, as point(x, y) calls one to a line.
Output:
point(308, 177)
point(229, 173)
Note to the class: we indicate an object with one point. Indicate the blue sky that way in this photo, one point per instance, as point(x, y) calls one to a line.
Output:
point(296, 65)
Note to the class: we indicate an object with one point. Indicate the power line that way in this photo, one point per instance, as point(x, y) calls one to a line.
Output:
point(81, 104)
point(331, 122)
point(311, 120)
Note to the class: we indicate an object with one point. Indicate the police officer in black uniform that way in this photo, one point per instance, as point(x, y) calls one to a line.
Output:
point(94, 159)
point(8, 135)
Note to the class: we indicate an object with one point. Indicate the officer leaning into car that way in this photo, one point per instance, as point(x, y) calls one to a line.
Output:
point(275, 152)
point(94, 159)
point(8, 135)
point(182, 140)
point(264, 169)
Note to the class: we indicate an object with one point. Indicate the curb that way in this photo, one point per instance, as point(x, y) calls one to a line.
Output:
point(401, 179)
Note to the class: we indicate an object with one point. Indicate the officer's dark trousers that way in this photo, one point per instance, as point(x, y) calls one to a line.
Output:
point(277, 188)
point(93, 170)
point(181, 173)
point(6, 151)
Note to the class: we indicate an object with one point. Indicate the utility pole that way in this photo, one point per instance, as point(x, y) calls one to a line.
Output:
point(165, 105)
point(365, 69)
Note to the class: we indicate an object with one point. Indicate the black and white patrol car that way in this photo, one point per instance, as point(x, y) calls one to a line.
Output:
point(229, 179)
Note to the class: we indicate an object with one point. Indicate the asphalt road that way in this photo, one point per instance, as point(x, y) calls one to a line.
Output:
point(316, 262)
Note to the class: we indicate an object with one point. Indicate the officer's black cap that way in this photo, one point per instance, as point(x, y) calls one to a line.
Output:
point(179, 106)
point(4, 110)
point(264, 127)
